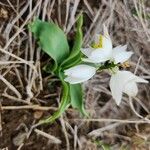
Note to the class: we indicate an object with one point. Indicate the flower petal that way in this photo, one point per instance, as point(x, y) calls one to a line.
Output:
point(72, 80)
point(122, 57)
point(116, 88)
point(107, 43)
point(96, 38)
point(81, 72)
point(132, 77)
point(119, 49)
point(105, 30)
point(117, 83)
point(120, 54)
point(139, 80)
point(120, 82)
point(100, 55)
point(131, 89)
point(87, 51)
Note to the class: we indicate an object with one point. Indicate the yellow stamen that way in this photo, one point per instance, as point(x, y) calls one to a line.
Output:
point(99, 44)
point(125, 65)
point(100, 41)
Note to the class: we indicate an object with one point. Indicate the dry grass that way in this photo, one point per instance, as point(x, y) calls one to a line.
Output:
point(22, 82)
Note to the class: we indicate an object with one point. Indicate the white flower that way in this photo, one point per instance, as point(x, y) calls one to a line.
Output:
point(124, 82)
point(103, 50)
point(79, 73)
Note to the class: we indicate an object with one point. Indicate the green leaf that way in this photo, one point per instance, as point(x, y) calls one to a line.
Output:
point(75, 56)
point(76, 96)
point(51, 39)
point(103, 145)
point(71, 93)
point(65, 101)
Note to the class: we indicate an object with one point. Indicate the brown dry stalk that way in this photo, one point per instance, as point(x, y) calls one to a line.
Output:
point(50, 137)
point(122, 121)
point(34, 107)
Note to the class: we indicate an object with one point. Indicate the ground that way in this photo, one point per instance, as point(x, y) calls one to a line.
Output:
point(110, 126)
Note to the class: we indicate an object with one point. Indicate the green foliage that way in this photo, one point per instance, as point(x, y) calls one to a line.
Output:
point(65, 101)
point(76, 96)
point(74, 58)
point(102, 145)
point(51, 39)
point(75, 55)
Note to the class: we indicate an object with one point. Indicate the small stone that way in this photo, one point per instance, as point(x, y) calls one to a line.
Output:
point(3, 13)
point(38, 114)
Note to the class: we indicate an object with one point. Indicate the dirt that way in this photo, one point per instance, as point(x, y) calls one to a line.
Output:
point(17, 123)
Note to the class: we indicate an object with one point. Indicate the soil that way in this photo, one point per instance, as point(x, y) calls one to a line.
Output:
point(17, 123)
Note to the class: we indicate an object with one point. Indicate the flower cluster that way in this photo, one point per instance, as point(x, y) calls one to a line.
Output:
point(101, 55)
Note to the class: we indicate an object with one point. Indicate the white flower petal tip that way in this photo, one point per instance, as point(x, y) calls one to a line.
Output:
point(79, 73)
point(122, 57)
point(97, 38)
point(99, 55)
point(120, 54)
point(87, 51)
point(105, 30)
point(124, 82)
point(131, 89)
point(107, 43)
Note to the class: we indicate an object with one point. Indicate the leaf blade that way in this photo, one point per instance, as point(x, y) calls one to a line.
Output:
point(75, 56)
point(52, 40)
point(65, 101)
point(76, 96)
